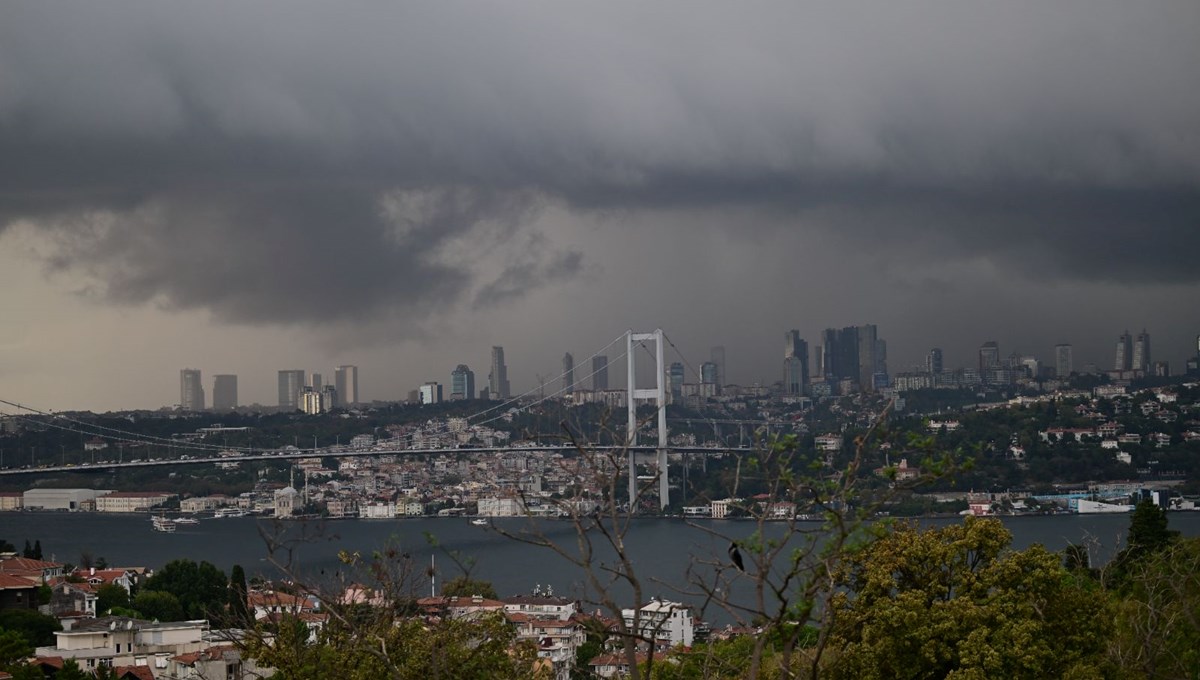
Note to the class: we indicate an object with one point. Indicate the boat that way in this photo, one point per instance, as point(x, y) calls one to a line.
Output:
point(479, 522)
point(229, 512)
point(163, 524)
point(186, 520)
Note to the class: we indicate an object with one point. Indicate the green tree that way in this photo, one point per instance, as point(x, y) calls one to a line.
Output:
point(1158, 621)
point(37, 549)
point(956, 602)
point(28, 551)
point(14, 648)
point(72, 671)
point(465, 586)
point(1148, 534)
point(202, 589)
point(110, 595)
point(37, 629)
point(239, 614)
point(159, 605)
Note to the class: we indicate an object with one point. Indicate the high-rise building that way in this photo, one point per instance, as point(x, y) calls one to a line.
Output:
point(676, 375)
point(462, 383)
point(1064, 360)
point(717, 356)
point(600, 372)
point(316, 381)
point(345, 381)
point(498, 378)
point(795, 363)
point(224, 393)
point(867, 356)
point(1141, 352)
point(710, 373)
point(191, 390)
point(933, 362)
point(291, 384)
point(840, 354)
point(568, 379)
point(989, 356)
point(431, 393)
point(1124, 358)
point(315, 401)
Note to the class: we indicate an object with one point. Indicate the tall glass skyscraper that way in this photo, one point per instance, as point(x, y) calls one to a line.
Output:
point(498, 386)
point(462, 383)
point(191, 390)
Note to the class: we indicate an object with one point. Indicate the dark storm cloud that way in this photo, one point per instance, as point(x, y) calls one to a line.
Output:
point(276, 161)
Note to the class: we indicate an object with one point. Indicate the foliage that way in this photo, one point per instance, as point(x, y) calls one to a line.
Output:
point(72, 671)
point(202, 589)
point(38, 629)
point(239, 612)
point(956, 602)
point(464, 586)
point(159, 605)
point(14, 647)
point(110, 595)
point(408, 648)
point(1158, 623)
point(1148, 534)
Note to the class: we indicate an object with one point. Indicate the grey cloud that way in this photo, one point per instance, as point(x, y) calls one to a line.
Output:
point(533, 268)
point(259, 141)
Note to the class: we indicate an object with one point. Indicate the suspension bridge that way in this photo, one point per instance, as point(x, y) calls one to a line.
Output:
point(654, 343)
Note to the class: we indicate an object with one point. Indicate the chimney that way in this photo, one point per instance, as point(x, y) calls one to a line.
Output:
point(92, 571)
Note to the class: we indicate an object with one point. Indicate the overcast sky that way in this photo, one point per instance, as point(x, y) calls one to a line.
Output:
point(248, 187)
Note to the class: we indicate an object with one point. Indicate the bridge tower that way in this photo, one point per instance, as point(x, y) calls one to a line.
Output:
point(659, 395)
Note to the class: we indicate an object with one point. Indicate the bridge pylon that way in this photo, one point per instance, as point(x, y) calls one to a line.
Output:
point(659, 394)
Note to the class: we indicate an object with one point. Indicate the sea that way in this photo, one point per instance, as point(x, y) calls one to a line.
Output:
point(670, 557)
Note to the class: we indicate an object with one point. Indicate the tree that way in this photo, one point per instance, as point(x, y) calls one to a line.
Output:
point(28, 551)
point(72, 671)
point(202, 589)
point(465, 586)
point(110, 595)
point(159, 605)
point(1158, 622)
point(37, 549)
point(14, 649)
point(956, 602)
point(239, 613)
point(1148, 534)
point(37, 629)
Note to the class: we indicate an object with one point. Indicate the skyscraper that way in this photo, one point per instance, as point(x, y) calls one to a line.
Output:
point(1124, 358)
point(795, 363)
point(291, 384)
point(676, 375)
point(498, 378)
point(709, 372)
point(316, 381)
point(345, 382)
point(1064, 360)
point(431, 393)
point(1141, 352)
point(867, 356)
point(933, 362)
point(462, 383)
point(840, 354)
point(600, 372)
point(224, 392)
point(568, 380)
point(191, 390)
point(989, 356)
point(717, 356)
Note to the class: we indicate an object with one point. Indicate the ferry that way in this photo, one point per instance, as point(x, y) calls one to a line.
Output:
point(186, 520)
point(163, 524)
point(229, 512)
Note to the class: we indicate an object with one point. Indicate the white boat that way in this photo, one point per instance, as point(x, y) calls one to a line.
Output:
point(163, 524)
point(479, 522)
point(229, 512)
point(186, 520)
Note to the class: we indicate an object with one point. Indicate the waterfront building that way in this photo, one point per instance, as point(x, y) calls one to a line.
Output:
point(668, 624)
point(291, 383)
point(191, 390)
point(345, 380)
point(224, 392)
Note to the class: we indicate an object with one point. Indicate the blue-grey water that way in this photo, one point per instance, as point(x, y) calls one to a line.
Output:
point(662, 549)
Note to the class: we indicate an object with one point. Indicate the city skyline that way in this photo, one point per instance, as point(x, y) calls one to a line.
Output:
point(404, 186)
